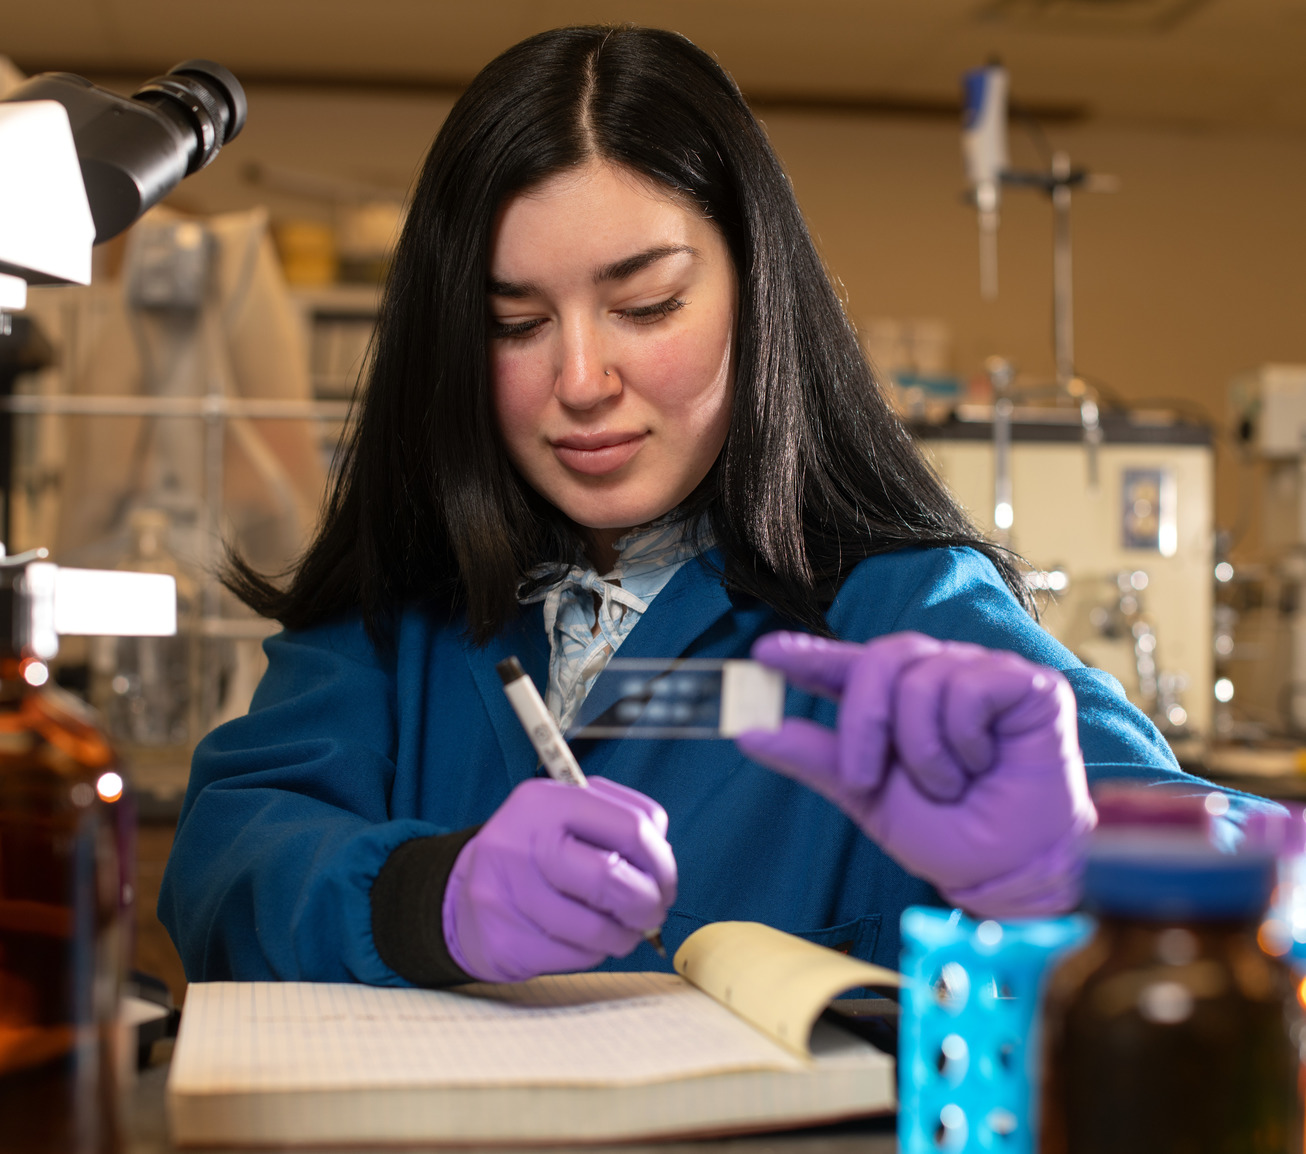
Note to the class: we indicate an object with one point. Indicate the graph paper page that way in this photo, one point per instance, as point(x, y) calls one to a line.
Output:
point(570, 1029)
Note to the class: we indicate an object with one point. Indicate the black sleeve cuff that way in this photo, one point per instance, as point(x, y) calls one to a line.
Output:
point(407, 906)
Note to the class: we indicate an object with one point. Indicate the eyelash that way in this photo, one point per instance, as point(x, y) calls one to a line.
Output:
point(647, 314)
point(644, 315)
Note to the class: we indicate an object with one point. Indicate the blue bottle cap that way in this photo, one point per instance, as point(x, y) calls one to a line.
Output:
point(1182, 887)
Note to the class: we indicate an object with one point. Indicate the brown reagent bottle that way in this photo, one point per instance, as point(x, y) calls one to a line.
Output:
point(1172, 1029)
point(61, 906)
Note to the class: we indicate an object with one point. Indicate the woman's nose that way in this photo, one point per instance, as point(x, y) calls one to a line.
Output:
point(584, 378)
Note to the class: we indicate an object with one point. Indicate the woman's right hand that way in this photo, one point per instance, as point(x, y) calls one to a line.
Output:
point(557, 880)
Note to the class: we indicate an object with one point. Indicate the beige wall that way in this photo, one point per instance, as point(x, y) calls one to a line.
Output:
point(1193, 271)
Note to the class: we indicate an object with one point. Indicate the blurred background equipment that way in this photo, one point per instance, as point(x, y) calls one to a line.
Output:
point(984, 147)
point(1123, 569)
point(186, 417)
point(1261, 643)
point(188, 411)
point(1113, 511)
point(1113, 504)
point(24, 348)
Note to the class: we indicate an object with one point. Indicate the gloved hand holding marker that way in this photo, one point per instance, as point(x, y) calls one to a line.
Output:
point(557, 880)
point(960, 762)
point(565, 873)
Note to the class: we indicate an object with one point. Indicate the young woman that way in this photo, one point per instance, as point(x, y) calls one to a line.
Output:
point(615, 403)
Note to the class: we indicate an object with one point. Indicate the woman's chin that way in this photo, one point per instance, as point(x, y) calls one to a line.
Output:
point(617, 517)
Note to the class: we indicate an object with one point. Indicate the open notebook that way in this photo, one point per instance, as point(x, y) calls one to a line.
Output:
point(731, 1042)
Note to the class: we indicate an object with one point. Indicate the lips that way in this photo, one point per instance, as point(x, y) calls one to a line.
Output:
point(595, 454)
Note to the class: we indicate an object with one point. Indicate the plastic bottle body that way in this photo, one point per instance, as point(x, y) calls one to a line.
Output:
point(61, 923)
point(1166, 1035)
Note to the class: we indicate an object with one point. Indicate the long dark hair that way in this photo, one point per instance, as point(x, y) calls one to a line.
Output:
point(817, 472)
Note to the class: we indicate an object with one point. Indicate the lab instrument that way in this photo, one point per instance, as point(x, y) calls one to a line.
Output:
point(984, 147)
point(83, 163)
point(134, 150)
point(80, 165)
point(1263, 597)
point(1122, 571)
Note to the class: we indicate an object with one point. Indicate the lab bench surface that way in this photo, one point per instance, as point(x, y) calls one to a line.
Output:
point(146, 1132)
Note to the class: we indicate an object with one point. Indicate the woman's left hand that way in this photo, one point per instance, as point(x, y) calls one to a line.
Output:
point(962, 763)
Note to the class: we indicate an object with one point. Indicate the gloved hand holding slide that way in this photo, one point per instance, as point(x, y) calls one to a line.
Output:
point(961, 762)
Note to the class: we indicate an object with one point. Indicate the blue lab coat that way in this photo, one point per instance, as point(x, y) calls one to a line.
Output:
point(347, 752)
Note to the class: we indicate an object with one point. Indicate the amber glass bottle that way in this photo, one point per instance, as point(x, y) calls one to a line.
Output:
point(1173, 1030)
point(60, 918)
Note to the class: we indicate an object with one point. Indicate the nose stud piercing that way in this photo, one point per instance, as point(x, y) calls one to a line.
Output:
point(606, 373)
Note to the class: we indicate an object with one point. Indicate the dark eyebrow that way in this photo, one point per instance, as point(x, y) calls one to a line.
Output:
point(629, 266)
point(514, 290)
point(618, 270)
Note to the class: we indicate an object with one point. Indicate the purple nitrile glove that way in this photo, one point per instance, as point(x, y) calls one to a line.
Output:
point(558, 879)
point(961, 762)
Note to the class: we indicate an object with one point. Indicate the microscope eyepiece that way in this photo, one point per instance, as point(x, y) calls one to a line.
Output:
point(133, 152)
point(205, 98)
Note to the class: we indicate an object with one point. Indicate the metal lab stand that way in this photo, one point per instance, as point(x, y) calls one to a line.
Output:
point(215, 410)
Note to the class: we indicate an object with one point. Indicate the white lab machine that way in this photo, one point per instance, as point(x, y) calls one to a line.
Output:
point(1122, 567)
point(1264, 650)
